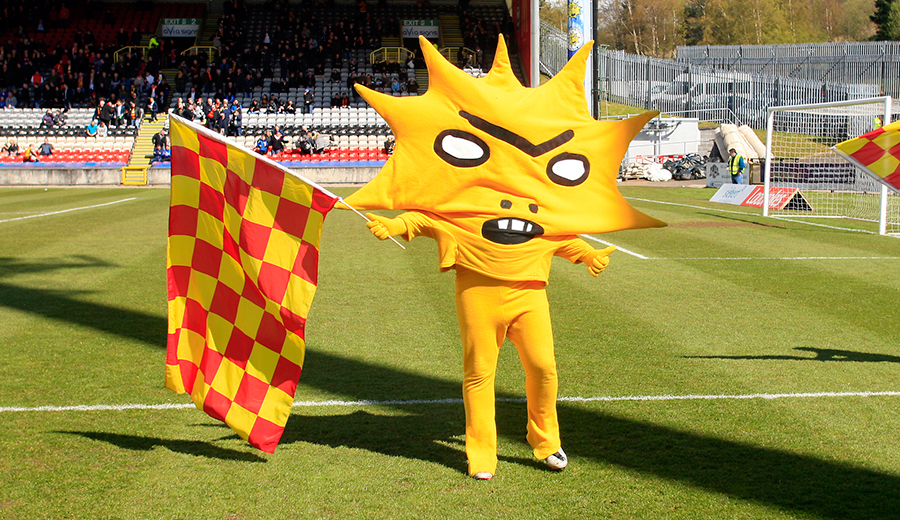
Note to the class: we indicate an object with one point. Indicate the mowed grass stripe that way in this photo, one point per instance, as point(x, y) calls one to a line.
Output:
point(83, 320)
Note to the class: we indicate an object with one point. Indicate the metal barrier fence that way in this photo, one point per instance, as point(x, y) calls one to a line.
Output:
point(554, 49)
point(686, 89)
point(874, 63)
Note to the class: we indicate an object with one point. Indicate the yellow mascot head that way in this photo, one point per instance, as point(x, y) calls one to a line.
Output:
point(487, 152)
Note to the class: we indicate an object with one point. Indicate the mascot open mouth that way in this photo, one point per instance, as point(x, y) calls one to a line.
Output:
point(510, 230)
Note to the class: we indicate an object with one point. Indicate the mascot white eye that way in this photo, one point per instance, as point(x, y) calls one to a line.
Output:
point(461, 148)
point(568, 169)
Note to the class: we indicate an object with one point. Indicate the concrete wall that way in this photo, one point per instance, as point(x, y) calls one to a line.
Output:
point(158, 176)
point(60, 177)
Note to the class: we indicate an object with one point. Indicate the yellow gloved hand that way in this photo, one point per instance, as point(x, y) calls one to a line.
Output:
point(600, 260)
point(384, 227)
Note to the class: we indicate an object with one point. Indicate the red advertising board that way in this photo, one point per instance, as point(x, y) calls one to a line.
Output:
point(753, 196)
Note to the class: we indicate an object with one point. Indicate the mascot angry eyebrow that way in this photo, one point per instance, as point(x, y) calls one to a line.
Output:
point(503, 177)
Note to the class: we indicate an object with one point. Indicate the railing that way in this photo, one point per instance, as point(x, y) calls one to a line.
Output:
point(142, 50)
point(209, 52)
point(452, 54)
point(398, 54)
point(554, 50)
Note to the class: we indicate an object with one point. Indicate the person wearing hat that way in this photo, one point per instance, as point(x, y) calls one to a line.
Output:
point(736, 167)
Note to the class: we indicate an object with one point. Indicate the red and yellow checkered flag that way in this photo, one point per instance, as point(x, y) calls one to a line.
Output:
point(242, 270)
point(877, 153)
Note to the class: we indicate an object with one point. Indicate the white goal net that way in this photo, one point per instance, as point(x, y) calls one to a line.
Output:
point(806, 180)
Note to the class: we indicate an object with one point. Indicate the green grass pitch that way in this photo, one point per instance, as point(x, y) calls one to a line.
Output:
point(722, 303)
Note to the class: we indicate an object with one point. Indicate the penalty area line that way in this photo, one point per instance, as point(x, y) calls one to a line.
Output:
point(411, 402)
point(68, 210)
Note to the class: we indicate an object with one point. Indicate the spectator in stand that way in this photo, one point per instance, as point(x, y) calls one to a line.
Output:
point(222, 118)
point(335, 100)
point(137, 113)
point(262, 144)
point(270, 140)
point(198, 111)
point(160, 145)
point(46, 148)
point(236, 119)
point(309, 101)
point(11, 147)
point(104, 113)
point(152, 108)
point(63, 18)
point(389, 145)
point(412, 86)
point(60, 118)
point(276, 141)
point(47, 120)
point(396, 87)
point(28, 155)
point(92, 128)
point(306, 145)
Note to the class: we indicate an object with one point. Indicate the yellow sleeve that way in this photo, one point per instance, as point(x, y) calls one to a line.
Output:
point(420, 224)
point(575, 250)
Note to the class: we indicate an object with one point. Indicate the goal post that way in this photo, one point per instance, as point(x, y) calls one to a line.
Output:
point(813, 181)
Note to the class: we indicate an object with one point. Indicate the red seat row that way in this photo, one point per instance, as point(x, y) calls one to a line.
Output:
point(333, 155)
point(76, 156)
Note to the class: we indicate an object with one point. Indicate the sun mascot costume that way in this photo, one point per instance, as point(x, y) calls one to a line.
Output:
point(503, 177)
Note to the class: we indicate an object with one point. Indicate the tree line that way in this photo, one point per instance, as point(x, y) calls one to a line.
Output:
point(657, 27)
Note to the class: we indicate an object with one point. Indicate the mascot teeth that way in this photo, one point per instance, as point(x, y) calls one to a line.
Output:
point(510, 230)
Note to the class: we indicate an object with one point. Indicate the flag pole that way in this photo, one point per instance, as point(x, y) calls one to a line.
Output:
point(367, 219)
point(222, 139)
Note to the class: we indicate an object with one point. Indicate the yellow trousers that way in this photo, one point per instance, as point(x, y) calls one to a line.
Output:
point(490, 310)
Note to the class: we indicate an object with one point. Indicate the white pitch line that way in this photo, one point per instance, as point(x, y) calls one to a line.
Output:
point(330, 403)
point(642, 257)
point(618, 248)
point(745, 213)
point(67, 210)
point(781, 258)
point(786, 219)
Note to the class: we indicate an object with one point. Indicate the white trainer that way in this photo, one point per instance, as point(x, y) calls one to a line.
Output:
point(483, 475)
point(557, 461)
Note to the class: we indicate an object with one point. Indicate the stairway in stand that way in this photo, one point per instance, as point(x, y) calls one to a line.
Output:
point(143, 143)
point(210, 28)
point(451, 35)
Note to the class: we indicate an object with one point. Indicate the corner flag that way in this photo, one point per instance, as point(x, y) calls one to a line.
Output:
point(242, 270)
point(876, 153)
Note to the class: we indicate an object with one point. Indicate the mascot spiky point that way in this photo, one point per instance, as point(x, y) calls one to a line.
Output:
point(503, 177)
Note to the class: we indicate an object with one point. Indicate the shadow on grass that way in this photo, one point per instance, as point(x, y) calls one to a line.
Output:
point(10, 266)
point(750, 220)
point(198, 448)
point(780, 479)
point(63, 306)
point(821, 354)
point(777, 478)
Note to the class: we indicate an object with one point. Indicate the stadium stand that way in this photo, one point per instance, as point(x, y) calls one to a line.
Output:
point(266, 54)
